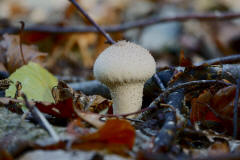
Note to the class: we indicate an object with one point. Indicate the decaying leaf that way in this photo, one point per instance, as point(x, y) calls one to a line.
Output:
point(62, 109)
point(4, 155)
point(10, 54)
point(218, 148)
point(36, 82)
point(70, 104)
point(98, 103)
point(200, 109)
point(184, 62)
point(62, 92)
point(217, 107)
point(4, 84)
point(75, 124)
point(115, 131)
point(83, 102)
point(115, 135)
point(91, 118)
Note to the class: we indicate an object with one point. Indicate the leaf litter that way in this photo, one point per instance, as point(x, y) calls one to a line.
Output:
point(204, 131)
point(214, 106)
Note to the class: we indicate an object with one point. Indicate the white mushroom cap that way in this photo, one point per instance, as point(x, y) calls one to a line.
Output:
point(124, 62)
point(124, 67)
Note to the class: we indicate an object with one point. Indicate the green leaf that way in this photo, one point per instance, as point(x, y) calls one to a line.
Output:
point(36, 81)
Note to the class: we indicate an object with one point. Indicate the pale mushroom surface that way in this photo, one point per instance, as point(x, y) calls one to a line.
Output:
point(124, 62)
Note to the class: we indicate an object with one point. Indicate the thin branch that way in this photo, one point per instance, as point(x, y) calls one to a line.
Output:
point(194, 84)
point(221, 60)
point(127, 25)
point(235, 110)
point(39, 117)
point(21, 37)
point(109, 39)
point(157, 100)
point(159, 82)
point(223, 156)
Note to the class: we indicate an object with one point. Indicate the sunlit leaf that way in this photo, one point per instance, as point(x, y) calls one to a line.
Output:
point(36, 81)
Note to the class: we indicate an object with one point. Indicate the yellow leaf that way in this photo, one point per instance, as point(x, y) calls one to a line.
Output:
point(36, 81)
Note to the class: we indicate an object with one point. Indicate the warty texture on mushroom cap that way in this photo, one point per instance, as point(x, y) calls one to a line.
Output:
point(124, 62)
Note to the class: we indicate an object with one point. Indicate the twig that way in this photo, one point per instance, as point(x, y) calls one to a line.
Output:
point(137, 112)
point(127, 25)
point(109, 39)
point(157, 100)
point(38, 116)
point(159, 82)
point(223, 156)
point(165, 135)
point(221, 60)
point(235, 110)
point(21, 36)
point(194, 84)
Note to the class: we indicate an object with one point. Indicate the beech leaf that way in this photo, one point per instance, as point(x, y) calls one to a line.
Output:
point(36, 81)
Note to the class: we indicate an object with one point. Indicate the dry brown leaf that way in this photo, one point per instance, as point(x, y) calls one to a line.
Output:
point(98, 103)
point(115, 136)
point(218, 148)
point(217, 108)
point(183, 61)
point(116, 131)
point(91, 118)
point(10, 54)
point(199, 106)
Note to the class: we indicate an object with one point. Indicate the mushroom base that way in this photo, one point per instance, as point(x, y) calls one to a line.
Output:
point(127, 98)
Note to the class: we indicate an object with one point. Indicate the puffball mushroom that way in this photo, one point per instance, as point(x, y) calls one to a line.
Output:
point(124, 67)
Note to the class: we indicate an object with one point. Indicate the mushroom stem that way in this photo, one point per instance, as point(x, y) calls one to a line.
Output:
point(127, 98)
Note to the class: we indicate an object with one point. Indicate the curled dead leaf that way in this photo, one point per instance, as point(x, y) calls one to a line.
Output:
point(10, 53)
